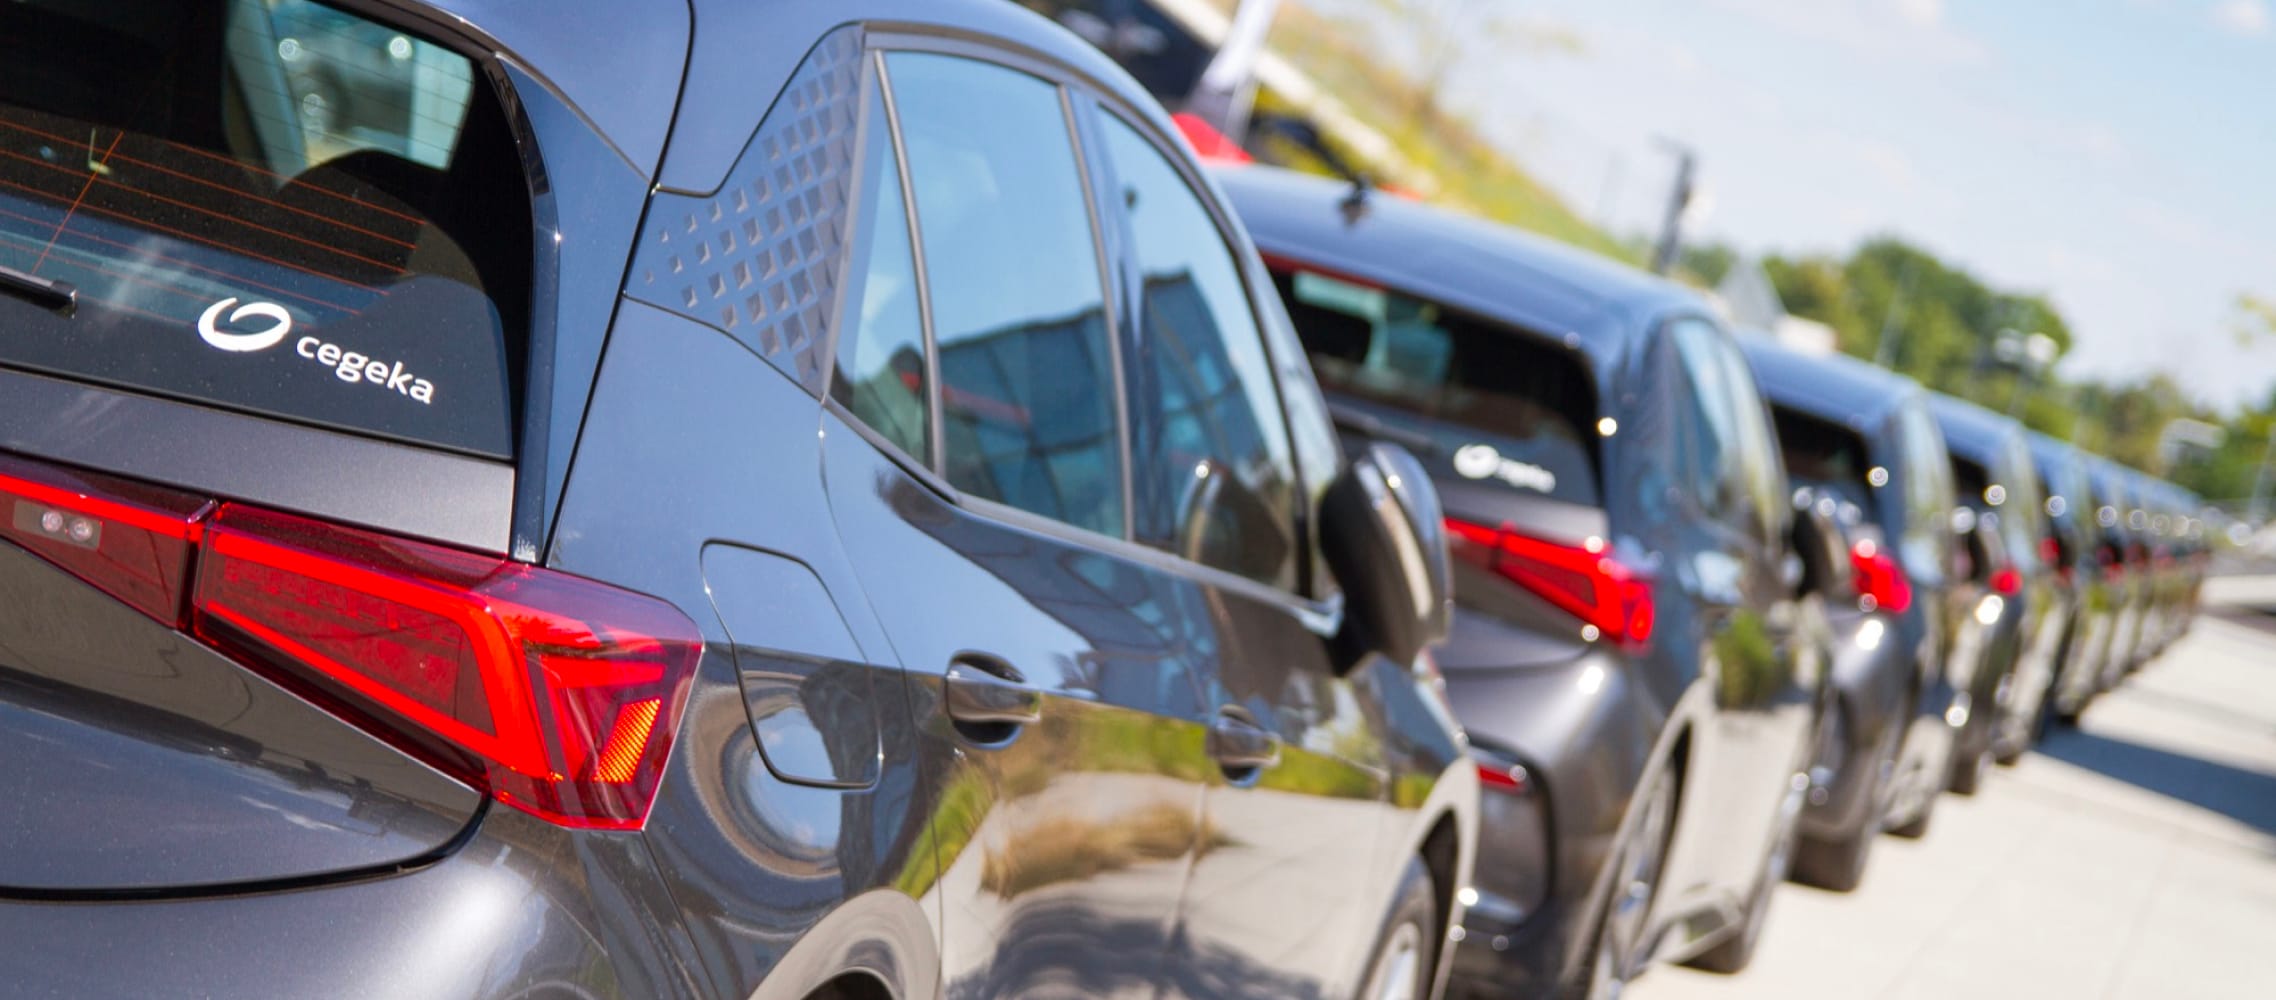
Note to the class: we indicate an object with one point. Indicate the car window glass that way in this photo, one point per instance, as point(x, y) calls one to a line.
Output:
point(282, 208)
point(1025, 360)
point(1499, 404)
point(1710, 428)
point(1928, 491)
point(1827, 457)
point(1209, 446)
point(1759, 467)
point(881, 376)
point(2024, 505)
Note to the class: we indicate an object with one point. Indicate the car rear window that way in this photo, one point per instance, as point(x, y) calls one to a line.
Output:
point(1496, 403)
point(1825, 456)
point(266, 205)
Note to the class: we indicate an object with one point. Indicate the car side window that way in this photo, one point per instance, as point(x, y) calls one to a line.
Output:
point(1023, 350)
point(882, 376)
point(1759, 466)
point(1927, 482)
point(1709, 424)
point(1212, 479)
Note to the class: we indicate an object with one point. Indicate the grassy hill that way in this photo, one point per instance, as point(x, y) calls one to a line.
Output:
point(1468, 171)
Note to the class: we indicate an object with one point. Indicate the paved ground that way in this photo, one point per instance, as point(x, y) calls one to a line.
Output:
point(2134, 857)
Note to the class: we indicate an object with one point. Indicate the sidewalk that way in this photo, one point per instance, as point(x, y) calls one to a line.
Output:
point(2134, 858)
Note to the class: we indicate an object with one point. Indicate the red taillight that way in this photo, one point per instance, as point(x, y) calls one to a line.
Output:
point(1579, 579)
point(559, 695)
point(1508, 779)
point(2050, 551)
point(1207, 141)
point(131, 541)
point(1879, 579)
point(2006, 582)
point(565, 693)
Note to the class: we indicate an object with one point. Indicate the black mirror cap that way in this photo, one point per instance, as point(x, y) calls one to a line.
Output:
point(1384, 536)
point(1823, 548)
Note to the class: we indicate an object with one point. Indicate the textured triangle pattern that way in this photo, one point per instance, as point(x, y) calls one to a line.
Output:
point(761, 258)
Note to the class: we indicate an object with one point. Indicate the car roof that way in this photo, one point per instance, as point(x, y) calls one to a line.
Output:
point(626, 88)
point(1973, 432)
point(1595, 305)
point(1828, 385)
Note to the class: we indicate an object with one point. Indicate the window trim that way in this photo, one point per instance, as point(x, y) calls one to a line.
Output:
point(1132, 283)
point(1079, 96)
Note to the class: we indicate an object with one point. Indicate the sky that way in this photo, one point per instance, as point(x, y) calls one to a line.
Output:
point(2118, 156)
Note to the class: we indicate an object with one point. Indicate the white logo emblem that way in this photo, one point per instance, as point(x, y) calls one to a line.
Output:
point(241, 343)
point(1481, 461)
point(1477, 461)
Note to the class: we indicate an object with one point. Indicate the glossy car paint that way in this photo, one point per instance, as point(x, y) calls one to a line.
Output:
point(2126, 528)
point(2072, 529)
point(1726, 694)
point(821, 821)
point(1937, 634)
point(2027, 629)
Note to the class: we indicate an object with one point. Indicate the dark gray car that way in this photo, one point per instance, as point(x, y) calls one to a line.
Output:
point(1887, 457)
point(734, 500)
point(1638, 653)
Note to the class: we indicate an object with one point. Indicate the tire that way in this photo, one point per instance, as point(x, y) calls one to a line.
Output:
point(1401, 968)
point(1626, 913)
point(1968, 772)
point(1917, 827)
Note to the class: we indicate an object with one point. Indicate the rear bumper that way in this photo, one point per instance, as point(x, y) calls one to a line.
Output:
point(522, 911)
point(1585, 730)
point(1871, 674)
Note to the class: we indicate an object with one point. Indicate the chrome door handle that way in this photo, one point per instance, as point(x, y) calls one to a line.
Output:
point(1239, 745)
point(981, 690)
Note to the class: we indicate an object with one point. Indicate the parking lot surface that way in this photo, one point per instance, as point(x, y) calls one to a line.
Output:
point(2132, 857)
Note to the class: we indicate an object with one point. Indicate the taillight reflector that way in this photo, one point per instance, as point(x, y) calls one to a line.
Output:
point(564, 692)
point(132, 542)
point(2006, 582)
point(1579, 579)
point(1880, 581)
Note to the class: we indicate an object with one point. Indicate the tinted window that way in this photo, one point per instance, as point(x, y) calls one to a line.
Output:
point(881, 375)
point(278, 207)
point(1718, 467)
point(2023, 506)
point(1825, 456)
point(1500, 404)
point(1209, 446)
point(1926, 481)
point(1759, 467)
point(1025, 361)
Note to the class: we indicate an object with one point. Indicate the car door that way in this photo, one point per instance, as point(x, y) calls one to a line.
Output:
point(975, 456)
point(1733, 570)
point(1277, 902)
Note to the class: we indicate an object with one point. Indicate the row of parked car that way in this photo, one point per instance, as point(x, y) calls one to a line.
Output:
point(835, 502)
point(1727, 610)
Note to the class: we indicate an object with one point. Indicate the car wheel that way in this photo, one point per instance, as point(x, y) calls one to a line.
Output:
point(1839, 864)
point(1626, 915)
point(1401, 968)
point(1968, 772)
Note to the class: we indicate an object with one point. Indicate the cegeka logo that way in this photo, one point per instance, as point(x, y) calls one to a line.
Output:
point(347, 365)
point(245, 343)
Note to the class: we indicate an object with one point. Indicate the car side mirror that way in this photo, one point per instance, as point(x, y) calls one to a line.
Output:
point(1822, 550)
point(1384, 536)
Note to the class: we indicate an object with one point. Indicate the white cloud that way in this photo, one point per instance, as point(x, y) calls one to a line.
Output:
point(2242, 17)
point(1925, 13)
point(1895, 30)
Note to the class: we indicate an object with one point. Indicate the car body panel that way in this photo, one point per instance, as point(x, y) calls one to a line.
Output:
point(1725, 675)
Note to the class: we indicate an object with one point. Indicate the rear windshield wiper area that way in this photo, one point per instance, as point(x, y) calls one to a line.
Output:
point(49, 293)
point(1353, 419)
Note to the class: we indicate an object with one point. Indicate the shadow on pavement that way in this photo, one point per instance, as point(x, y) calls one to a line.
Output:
point(2249, 797)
